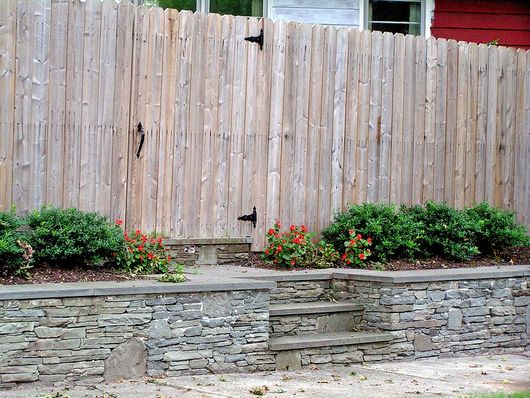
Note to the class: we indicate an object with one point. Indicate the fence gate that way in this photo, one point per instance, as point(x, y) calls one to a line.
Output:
point(197, 157)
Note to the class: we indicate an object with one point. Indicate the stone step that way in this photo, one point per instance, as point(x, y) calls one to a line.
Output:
point(313, 318)
point(316, 307)
point(307, 341)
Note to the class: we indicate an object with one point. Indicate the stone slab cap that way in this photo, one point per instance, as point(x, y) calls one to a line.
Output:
point(195, 284)
point(326, 340)
point(209, 241)
point(288, 276)
point(434, 275)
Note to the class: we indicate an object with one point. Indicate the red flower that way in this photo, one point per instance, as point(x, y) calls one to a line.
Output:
point(293, 227)
point(150, 256)
point(168, 258)
point(144, 238)
point(369, 240)
point(361, 256)
point(303, 228)
point(153, 241)
point(278, 224)
point(267, 251)
point(279, 249)
point(296, 240)
point(359, 236)
point(141, 248)
point(119, 222)
point(293, 262)
point(159, 240)
point(271, 231)
point(137, 232)
point(141, 258)
point(351, 231)
point(344, 256)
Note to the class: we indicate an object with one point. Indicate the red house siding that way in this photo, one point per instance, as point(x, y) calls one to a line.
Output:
point(482, 21)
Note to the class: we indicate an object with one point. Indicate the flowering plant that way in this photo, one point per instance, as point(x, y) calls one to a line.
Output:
point(357, 249)
point(144, 254)
point(289, 248)
point(295, 247)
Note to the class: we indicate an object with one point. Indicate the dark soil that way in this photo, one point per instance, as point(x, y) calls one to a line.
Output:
point(46, 274)
point(509, 256)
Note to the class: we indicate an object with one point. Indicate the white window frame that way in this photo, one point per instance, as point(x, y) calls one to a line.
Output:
point(427, 9)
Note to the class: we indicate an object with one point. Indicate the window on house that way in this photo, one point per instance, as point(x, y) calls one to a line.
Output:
point(252, 8)
point(396, 16)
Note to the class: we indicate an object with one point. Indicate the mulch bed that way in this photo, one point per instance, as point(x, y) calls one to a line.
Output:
point(45, 274)
point(509, 256)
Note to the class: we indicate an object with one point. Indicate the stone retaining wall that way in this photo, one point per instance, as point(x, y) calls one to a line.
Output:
point(126, 336)
point(442, 318)
point(301, 291)
point(315, 323)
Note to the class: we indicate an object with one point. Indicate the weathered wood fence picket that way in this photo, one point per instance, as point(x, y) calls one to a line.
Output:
point(320, 118)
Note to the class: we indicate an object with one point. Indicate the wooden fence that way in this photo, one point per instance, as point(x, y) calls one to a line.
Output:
point(320, 118)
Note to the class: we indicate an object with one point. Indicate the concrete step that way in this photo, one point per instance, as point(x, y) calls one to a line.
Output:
point(313, 318)
point(316, 307)
point(306, 341)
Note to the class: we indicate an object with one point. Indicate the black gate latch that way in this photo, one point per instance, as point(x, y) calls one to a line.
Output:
point(140, 129)
point(250, 217)
point(256, 39)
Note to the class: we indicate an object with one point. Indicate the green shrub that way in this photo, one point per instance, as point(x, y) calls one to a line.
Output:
point(496, 228)
point(15, 253)
point(356, 250)
point(69, 237)
point(393, 232)
point(447, 232)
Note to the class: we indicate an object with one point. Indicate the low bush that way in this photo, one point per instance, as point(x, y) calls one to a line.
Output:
point(357, 249)
point(16, 255)
point(70, 237)
point(496, 229)
point(447, 232)
point(392, 232)
point(434, 229)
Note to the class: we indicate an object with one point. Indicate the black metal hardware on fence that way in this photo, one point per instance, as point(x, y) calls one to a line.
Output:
point(250, 217)
point(256, 39)
point(140, 129)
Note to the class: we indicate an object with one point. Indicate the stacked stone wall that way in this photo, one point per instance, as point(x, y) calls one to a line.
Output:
point(445, 318)
point(100, 338)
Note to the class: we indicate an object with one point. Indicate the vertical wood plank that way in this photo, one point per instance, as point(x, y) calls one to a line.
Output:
point(57, 103)
point(352, 109)
point(8, 39)
point(74, 99)
point(471, 126)
point(105, 107)
point(237, 127)
point(363, 118)
point(263, 106)
point(167, 122)
point(450, 128)
point(441, 122)
point(374, 123)
point(386, 117)
point(313, 131)
point(408, 120)
point(418, 156)
point(301, 119)
point(461, 125)
point(224, 126)
point(339, 123)
point(89, 108)
point(397, 120)
point(121, 108)
point(22, 155)
point(522, 140)
point(491, 126)
point(326, 127)
point(430, 119)
point(482, 123)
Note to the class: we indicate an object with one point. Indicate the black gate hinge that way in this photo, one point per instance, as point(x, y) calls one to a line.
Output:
point(140, 129)
point(253, 217)
point(256, 39)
